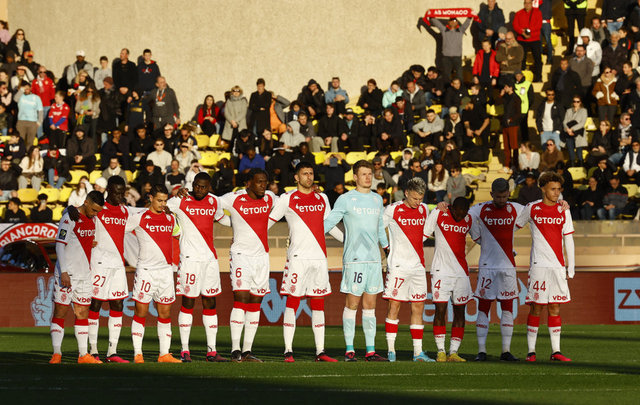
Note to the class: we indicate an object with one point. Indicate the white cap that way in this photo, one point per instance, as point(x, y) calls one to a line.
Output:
point(80, 53)
point(101, 182)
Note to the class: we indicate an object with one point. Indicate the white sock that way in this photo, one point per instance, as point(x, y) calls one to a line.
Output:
point(532, 332)
point(164, 335)
point(94, 326)
point(289, 328)
point(137, 334)
point(482, 330)
point(391, 329)
point(349, 327)
point(236, 323)
point(417, 332)
point(506, 329)
point(57, 334)
point(555, 327)
point(251, 322)
point(317, 322)
point(210, 322)
point(185, 319)
point(115, 326)
point(439, 334)
point(81, 329)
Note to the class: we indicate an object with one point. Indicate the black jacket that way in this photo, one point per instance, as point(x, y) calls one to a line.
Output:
point(307, 99)
point(572, 86)
point(493, 19)
point(9, 179)
point(453, 97)
point(147, 75)
point(557, 115)
point(512, 113)
point(331, 126)
point(124, 75)
point(373, 101)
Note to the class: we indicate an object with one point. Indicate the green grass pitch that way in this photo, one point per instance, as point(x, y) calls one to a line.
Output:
point(605, 370)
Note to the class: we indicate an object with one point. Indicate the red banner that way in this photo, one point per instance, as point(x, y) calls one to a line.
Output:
point(450, 13)
point(597, 298)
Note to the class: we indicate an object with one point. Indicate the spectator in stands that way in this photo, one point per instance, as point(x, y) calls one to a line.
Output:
point(307, 130)
point(149, 173)
point(549, 116)
point(279, 167)
point(32, 167)
point(434, 86)
point(593, 50)
point(141, 146)
point(622, 136)
point(485, 67)
point(137, 112)
point(185, 156)
point(450, 155)
point(415, 97)
point(125, 73)
point(58, 121)
point(102, 73)
point(402, 110)
point(206, 116)
point(510, 55)
point(415, 74)
point(614, 200)
point(79, 193)
point(614, 55)
point(148, 73)
point(566, 83)
point(510, 124)
point(452, 35)
point(14, 214)
point(18, 44)
point(334, 168)
point(304, 155)
point(6, 120)
point(81, 150)
point(381, 175)
point(527, 23)
point(23, 74)
point(334, 193)
point(9, 173)
point(625, 84)
point(371, 99)
point(528, 161)
point(456, 185)
point(476, 123)
point(100, 185)
point(603, 173)
point(382, 192)
point(437, 182)
point(259, 103)
point(598, 31)
point(116, 147)
point(545, 8)
point(583, 66)
point(590, 199)
point(250, 160)
point(491, 19)
point(291, 139)
point(390, 134)
point(244, 140)
point(80, 64)
point(13, 149)
point(601, 144)
point(453, 96)
point(550, 157)
point(170, 137)
point(41, 213)
point(56, 168)
point(352, 139)
point(573, 126)
point(160, 157)
point(43, 87)
point(30, 113)
point(5, 35)
point(114, 169)
point(174, 177)
point(223, 180)
point(312, 99)
point(530, 191)
point(575, 11)
point(414, 169)
point(454, 130)
point(614, 13)
point(337, 96)
point(235, 114)
point(266, 144)
point(110, 100)
point(331, 128)
point(604, 91)
point(164, 105)
point(389, 96)
point(87, 108)
point(630, 170)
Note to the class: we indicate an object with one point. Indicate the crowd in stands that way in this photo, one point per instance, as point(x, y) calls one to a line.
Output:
point(122, 118)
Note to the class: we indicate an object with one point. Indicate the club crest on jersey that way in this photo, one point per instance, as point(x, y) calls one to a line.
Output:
point(509, 208)
point(210, 200)
point(141, 295)
point(482, 292)
point(467, 218)
point(187, 289)
point(536, 296)
point(317, 196)
point(96, 290)
point(63, 297)
point(436, 295)
point(394, 292)
point(168, 217)
point(239, 283)
point(147, 217)
point(292, 289)
point(400, 209)
point(123, 209)
point(559, 209)
point(243, 199)
point(421, 209)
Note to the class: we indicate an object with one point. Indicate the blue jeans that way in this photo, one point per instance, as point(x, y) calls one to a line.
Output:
point(440, 194)
point(571, 148)
point(546, 135)
point(52, 183)
point(614, 26)
point(545, 32)
point(5, 195)
point(603, 213)
point(586, 212)
point(428, 96)
point(444, 112)
point(615, 158)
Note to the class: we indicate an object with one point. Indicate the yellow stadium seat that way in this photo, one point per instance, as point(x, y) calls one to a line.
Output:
point(578, 173)
point(528, 75)
point(554, 39)
point(213, 141)
point(320, 157)
point(474, 171)
point(76, 175)
point(632, 189)
point(65, 192)
point(371, 155)
point(224, 155)
point(53, 194)
point(98, 158)
point(491, 110)
point(27, 210)
point(129, 175)
point(94, 175)
point(554, 25)
point(28, 195)
point(357, 109)
point(590, 125)
point(353, 157)
point(349, 188)
point(57, 213)
point(4, 138)
point(203, 141)
point(3, 208)
point(396, 154)
point(209, 159)
point(290, 188)
point(348, 176)
point(437, 108)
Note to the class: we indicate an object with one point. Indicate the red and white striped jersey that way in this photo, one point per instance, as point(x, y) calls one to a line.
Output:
point(196, 220)
point(494, 228)
point(449, 258)
point(155, 238)
point(249, 220)
point(549, 224)
point(407, 230)
point(110, 225)
point(77, 237)
point(305, 214)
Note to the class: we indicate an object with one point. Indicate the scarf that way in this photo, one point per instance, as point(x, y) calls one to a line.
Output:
point(449, 13)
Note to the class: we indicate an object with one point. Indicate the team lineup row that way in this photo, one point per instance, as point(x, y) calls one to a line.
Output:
point(90, 267)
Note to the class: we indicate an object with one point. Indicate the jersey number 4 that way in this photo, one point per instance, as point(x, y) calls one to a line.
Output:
point(537, 287)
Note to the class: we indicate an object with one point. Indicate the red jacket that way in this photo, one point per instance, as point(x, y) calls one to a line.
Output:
point(59, 116)
point(46, 91)
point(531, 20)
point(494, 67)
point(203, 113)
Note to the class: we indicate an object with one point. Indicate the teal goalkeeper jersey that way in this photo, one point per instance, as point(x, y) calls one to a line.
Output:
point(362, 215)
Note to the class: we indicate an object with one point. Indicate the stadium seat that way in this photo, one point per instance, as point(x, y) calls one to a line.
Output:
point(348, 176)
point(437, 108)
point(589, 125)
point(129, 175)
point(3, 208)
point(320, 157)
point(94, 175)
point(28, 195)
point(528, 75)
point(209, 159)
point(57, 212)
point(53, 194)
point(353, 157)
point(432, 207)
point(224, 155)
point(371, 155)
point(554, 40)
point(474, 171)
point(65, 192)
point(213, 141)
point(290, 188)
point(27, 210)
point(349, 188)
point(578, 173)
point(358, 110)
point(632, 189)
point(396, 154)
point(203, 141)
point(76, 175)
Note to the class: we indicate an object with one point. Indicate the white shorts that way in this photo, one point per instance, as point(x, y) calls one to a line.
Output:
point(156, 284)
point(308, 278)
point(456, 289)
point(197, 278)
point(79, 292)
point(109, 283)
point(406, 284)
point(548, 286)
point(497, 284)
point(250, 273)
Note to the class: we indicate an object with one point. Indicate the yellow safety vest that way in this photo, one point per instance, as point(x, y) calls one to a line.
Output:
point(582, 5)
point(522, 89)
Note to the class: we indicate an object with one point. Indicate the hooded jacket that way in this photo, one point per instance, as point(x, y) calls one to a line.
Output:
point(594, 50)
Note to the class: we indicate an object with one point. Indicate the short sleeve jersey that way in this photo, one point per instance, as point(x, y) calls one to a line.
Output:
point(305, 214)
point(155, 238)
point(407, 230)
point(110, 226)
point(494, 227)
point(78, 237)
point(450, 254)
point(548, 224)
point(196, 218)
point(362, 215)
point(250, 221)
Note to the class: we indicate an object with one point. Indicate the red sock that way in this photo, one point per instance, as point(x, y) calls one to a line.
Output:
point(140, 320)
point(439, 330)
point(82, 322)
point(94, 315)
point(209, 312)
point(457, 332)
point(391, 327)
point(534, 321)
point(293, 303)
point(186, 310)
point(58, 321)
point(416, 333)
point(554, 321)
